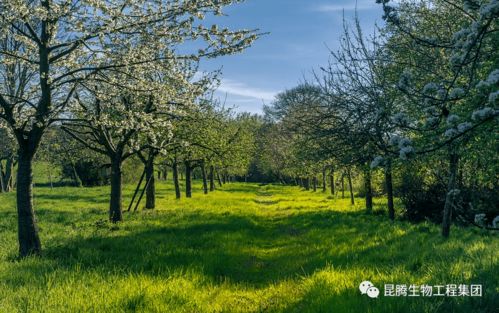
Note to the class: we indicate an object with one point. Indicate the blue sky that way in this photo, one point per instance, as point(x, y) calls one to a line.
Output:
point(301, 31)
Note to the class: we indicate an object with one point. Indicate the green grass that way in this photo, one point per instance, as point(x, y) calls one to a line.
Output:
point(244, 248)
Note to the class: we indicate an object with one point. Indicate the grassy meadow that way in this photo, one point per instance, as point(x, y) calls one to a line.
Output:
point(243, 248)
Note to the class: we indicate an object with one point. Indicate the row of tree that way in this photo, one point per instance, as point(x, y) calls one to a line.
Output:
point(418, 99)
point(120, 78)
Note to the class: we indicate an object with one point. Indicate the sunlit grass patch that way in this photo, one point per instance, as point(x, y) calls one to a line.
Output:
point(243, 248)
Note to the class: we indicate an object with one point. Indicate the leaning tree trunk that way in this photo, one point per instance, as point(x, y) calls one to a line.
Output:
point(369, 190)
point(76, 178)
point(188, 179)
point(115, 208)
point(389, 189)
point(219, 179)
point(9, 169)
point(331, 178)
point(205, 180)
point(175, 179)
point(151, 185)
point(212, 178)
point(29, 241)
point(451, 194)
point(349, 174)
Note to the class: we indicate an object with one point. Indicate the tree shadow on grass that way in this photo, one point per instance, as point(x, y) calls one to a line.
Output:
point(252, 250)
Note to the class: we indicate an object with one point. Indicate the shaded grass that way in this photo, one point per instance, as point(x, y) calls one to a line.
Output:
point(244, 248)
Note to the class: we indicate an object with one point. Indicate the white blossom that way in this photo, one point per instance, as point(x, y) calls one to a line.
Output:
point(378, 160)
point(464, 127)
point(452, 120)
point(483, 113)
point(493, 96)
point(406, 152)
point(456, 93)
point(451, 132)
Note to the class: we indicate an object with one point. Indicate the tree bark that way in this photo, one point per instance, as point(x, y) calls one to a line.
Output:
point(343, 185)
point(307, 183)
point(76, 177)
point(151, 185)
point(29, 240)
point(175, 179)
point(389, 190)
point(331, 178)
point(349, 174)
point(9, 169)
point(188, 179)
point(2, 185)
point(212, 178)
point(451, 195)
point(324, 179)
point(315, 183)
point(219, 179)
point(368, 187)
point(205, 180)
point(115, 209)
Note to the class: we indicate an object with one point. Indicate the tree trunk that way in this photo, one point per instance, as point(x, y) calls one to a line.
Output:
point(50, 177)
point(29, 241)
point(165, 173)
point(175, 179)
point(212, 178)
point(369, 190)
point(451, 194)
point(115, 209)
point(151, 185)
point(324, 184)
point(389, 189)
point(9, 169)
point(331, 179)
point(343, 185)
point(315, 183)
point(224, 181)
point(188, 179)
point(76, 177)
point(307, 183)
point(219, 179)
point(2, 185)
point(205, 180)
point(349, 174)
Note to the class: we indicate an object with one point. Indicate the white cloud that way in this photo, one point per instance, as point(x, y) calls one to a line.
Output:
point(235, 88)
